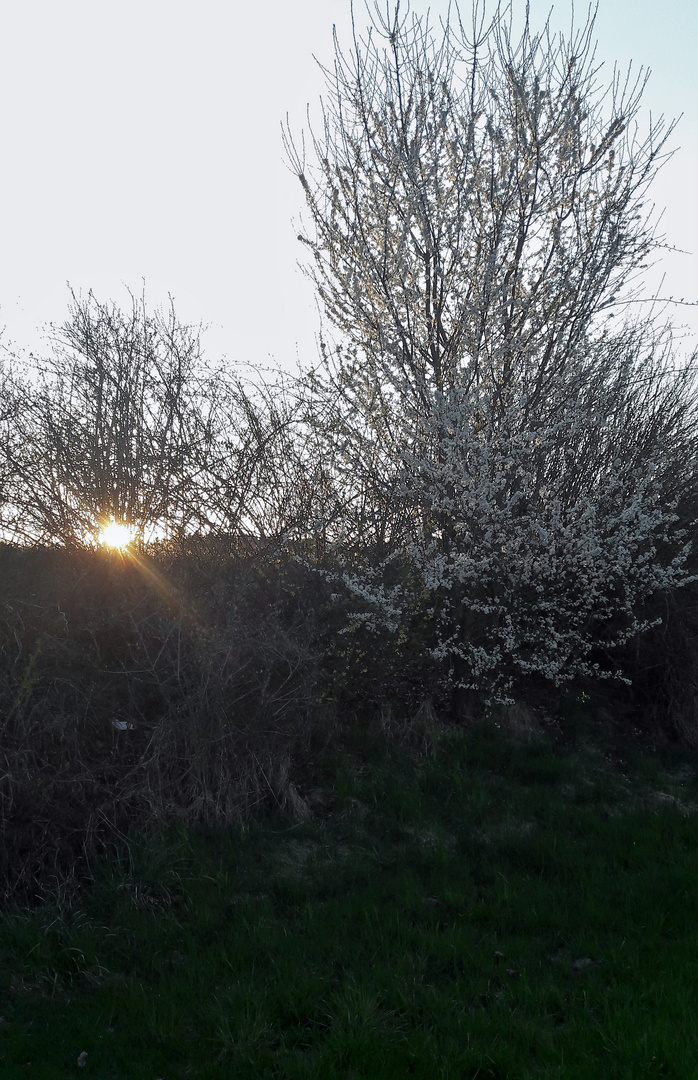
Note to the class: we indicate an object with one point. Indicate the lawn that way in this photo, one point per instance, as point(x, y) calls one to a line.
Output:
point(470, 905)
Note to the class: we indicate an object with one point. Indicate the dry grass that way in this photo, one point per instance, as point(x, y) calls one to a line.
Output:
point(128, 698)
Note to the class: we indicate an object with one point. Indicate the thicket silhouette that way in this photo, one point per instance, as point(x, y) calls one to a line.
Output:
point(484, 490)
point(123, 419)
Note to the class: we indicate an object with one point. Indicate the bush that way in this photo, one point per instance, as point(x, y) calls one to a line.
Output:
point(141, 688)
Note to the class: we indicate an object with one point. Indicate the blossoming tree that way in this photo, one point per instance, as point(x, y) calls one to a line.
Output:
point(507, 441)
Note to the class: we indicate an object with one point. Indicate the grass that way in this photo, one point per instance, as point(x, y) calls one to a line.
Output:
point(490, 909)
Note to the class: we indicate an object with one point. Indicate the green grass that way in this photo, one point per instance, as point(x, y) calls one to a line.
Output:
point(492, 910)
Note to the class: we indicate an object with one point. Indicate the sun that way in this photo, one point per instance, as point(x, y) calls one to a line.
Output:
point(115, 535)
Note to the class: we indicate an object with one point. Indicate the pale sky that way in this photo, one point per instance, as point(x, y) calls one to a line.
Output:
point(141, 139)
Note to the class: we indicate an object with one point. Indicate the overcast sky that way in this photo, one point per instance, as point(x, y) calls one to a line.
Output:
point(141, 139)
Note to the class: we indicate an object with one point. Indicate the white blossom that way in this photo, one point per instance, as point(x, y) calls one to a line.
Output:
point(506, 463)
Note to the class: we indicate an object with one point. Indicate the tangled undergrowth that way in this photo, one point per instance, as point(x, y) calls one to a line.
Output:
point(196, 686)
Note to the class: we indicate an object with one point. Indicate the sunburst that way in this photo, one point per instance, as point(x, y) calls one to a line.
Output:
point(116, 535)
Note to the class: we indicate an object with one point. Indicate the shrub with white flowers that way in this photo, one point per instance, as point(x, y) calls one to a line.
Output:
point(503, 442)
